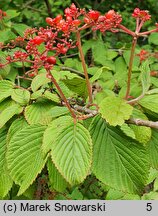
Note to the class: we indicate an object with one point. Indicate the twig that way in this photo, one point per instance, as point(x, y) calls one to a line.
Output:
point(73, 71)
point(85, 110)
point(48, 5)
point(68, 56)
point(26, 4)
point(135, 100)
point(139, 122)
point(35, 9)
point(22, 77)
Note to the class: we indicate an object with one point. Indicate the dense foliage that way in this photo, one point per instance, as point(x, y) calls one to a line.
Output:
point(78, 102)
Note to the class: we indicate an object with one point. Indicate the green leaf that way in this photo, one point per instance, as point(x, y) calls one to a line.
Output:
point(39, 112)
point(152, 91)
point(154, 81)
point(6, 88)
point(4, 71)
point(37, 94)
point(52, 132)
point(156, 184)
point(39, 81)
point(7, 35)
point(59, 111)
point(153, 149)
point(153, 64)
point(99, 51)
point(21, 96)
point(76, 194)
point(72, 153)
point(103, 94)
point(20, 28)
point(12, 14)
point(69, 75)
point(150, 196)
point(115, 110)
point(110, 54)
point(52, 96)
point(24, 157)
point(150, 102)
point(136, 62)
point(98, 73)
point(120, 71)
point(73, 63)
point(8, 113)
point(114, 194)
point(153, 174)
point(30, 192)
point(77, 85)
point(88, 45)
point(56, 75)
point(6, 103)
point(13, 73)
point(67, 92)
point(119, 195)
point(127, 130)
point(5, 179)
point(15, 127)
point(153, 38)
point(142, 133)
point(118, 161)
point(56, 180)
point(145, 76)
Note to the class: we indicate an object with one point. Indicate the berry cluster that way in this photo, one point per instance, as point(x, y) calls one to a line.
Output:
point(56, 38)
point(107, 22)
point(144, 54)
point(69, 22)
point(141, 14)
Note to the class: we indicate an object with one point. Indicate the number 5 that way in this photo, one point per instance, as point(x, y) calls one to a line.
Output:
point(149, 207)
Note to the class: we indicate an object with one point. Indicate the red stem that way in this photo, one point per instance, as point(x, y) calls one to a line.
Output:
point(148, 32)
point(134, 42)
point(126, 30)
point(61, 94)
point(89, 88)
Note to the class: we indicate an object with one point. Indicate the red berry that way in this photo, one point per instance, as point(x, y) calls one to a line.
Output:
point(31, 74)
point(73, 6)
point(58, 18)
point(63, 50)
point(65, 27)
point(94, 15)
point(68, 18)
point(49, 20)
point(8, 58)
point(4, 13)
point(87, 20)
point(67, 12)
point(61, 23)
point(37, 40)
point(76, 22)
point(51, 60)
point(110, 14)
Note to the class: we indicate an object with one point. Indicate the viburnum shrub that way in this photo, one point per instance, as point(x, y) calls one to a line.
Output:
point(94, 130)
